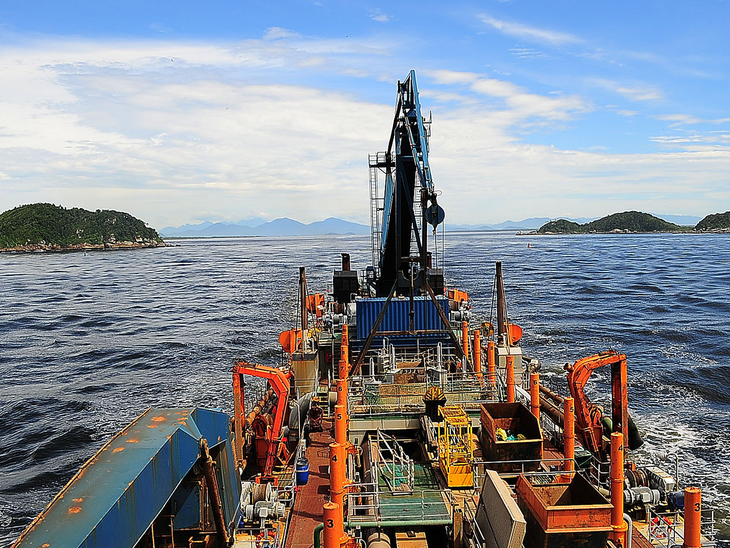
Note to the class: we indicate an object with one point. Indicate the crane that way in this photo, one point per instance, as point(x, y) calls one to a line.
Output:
point(588, 415)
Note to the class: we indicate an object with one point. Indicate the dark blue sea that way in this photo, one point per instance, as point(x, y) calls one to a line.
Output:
point(89, 341)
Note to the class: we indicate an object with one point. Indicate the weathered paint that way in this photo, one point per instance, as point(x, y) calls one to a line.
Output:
point(120, 490)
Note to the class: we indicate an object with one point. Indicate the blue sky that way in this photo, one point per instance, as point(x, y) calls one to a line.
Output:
point(185, 111)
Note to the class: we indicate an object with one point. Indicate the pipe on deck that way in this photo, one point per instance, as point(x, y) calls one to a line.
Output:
point(491, 368)
point(535, 394)
point(569, 434)
point(510, 378)
point(478, 353)
point(618, 523)
point(334, 528)
point(692, 517)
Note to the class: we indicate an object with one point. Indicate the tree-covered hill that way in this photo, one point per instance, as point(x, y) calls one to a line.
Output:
point(51, 226)
point(628, 221)
point(716, 221)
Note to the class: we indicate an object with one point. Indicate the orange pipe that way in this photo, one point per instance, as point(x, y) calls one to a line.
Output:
point(345, 347)
point(341, 424)
point(692, 517)
point(465, 338)
point(617, 489)
point(338, 474)
point(342, 392)
point(334, 527)
point(535, 394)
point(569, 435)
point(477, 352)
point(342, 369)
point(510, 378)
point(491, 369)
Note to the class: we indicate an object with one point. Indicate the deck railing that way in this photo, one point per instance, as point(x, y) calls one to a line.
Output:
point(365, 504)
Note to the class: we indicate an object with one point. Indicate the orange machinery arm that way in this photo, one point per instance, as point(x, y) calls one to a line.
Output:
point(589, 420)
point(279, 382)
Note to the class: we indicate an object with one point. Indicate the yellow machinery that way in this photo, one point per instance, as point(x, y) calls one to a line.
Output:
point(456, 451)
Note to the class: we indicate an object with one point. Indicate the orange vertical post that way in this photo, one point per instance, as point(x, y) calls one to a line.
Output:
point(617, 489)
point(345, 346)
point(341, 424)
point(465, 339)
point(342, 392)
point(535, 394)
point(342, 369)
point(334, 527)
point(491, 368)
point(692, 517)
point(478, 352)
point(569, 434)
point(510, 378)
point(338, 474)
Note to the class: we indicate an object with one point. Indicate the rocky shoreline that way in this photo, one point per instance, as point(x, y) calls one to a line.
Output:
point(624, 231)
point(44, 247)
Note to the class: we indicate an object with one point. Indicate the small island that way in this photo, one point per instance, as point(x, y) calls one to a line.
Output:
point(47, 227)
point(635, 222)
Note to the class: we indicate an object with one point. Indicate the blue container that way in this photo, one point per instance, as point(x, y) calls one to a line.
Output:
point(397, 317)
point(302, 470)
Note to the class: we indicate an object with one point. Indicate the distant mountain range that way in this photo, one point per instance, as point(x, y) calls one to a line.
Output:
point(289, 227)
point(259, 227)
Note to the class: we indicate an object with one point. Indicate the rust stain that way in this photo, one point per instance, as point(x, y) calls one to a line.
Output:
point(46, 545)
point(79, 499)
point(151, 426)
point(158, 418)
point(118, 449)
point(132, 440)
point(74, 510)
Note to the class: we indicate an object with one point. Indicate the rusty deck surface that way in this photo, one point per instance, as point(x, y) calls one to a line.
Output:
point(307, 511)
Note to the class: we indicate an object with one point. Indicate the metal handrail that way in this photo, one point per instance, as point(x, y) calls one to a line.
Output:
point(372, 509)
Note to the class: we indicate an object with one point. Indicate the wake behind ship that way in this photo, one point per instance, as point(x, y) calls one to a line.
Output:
point(396, 419)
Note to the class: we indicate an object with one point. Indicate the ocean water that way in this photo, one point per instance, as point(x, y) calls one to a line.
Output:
point(87, 342)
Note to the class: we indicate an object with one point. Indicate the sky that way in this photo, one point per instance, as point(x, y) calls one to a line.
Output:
point(182, 111)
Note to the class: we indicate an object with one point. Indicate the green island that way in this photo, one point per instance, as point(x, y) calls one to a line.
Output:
point(634, 222)
point(48, 227)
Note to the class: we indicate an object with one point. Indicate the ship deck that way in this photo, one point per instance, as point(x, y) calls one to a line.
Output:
point(426, 502)
point(309, 502)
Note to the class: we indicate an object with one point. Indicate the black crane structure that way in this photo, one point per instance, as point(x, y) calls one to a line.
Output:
point(404, 262)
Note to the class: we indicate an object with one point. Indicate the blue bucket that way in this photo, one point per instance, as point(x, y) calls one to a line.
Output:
point(302, 470)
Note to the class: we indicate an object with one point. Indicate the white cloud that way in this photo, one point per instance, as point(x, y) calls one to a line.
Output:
point(689, 119)
point(276, 33)
point(379, 16)
point(528, 53)
point(637, 93)
point(170, 130)
point(641, 93)
point(531, 33)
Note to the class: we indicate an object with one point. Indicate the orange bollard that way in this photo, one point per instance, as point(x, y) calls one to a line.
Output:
point(535, 394)
point(510, 378)
point(341, 424)
point(465, 339)
point(491, 368)
point(345, 346)
point(617, 489)
point(342, 369)
point(338, 474)
point(342, 392)
point(334, 527)
point(478, 353)
point(569, 434)
point(692, 517)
